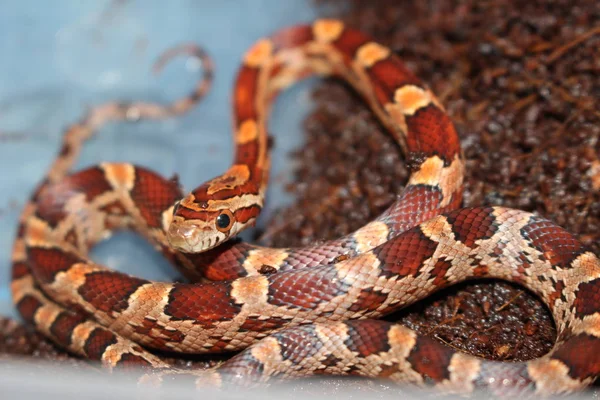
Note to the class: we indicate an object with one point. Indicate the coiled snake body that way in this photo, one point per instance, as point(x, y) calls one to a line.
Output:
point(312, 307)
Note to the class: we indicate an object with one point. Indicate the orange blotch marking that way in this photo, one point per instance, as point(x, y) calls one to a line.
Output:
point(237, 175)
point(247, 132)
point(327, 30)
point(259, 53)
point(120, 175)
point(371, 53)
point(411, 98)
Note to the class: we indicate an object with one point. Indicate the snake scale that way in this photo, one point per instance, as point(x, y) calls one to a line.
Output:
point(297, 311)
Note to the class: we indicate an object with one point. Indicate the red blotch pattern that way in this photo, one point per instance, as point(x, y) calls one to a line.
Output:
point(45, 263)
point(405, 254)
point(245, 91)
point(587, 301)
point(63, 325)
point(387, 76)
point(580, 354)
point(222, 263)
point(207, 303)
point(108, 290)
point(243, 215)
point(472, 224)
point(559, 247)
point(19, 270)
point(440, 271)
point(349, 42)
point(305, 288)
point(132, 361)
point(430, 131)
point(153, 194)
point(97, 342)
point(368, 337)
point(299, 344)
point(27, 307)
point(431, 358)
point(247, 153)
point(368, 300)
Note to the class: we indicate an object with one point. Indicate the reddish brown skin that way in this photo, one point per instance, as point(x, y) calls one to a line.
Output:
point(107, 292)
point(63, 325)
point(463, 228)
point(357, 339)
point(588, 298)
point(155, 194)
point(396, 258)
point(431, 360)
point(207, 304)
point(55, 260)
point(27, 308)
point(97, 343)
point(430, 127)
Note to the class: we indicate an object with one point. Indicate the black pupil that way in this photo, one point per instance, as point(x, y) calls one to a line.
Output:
point(223, 221)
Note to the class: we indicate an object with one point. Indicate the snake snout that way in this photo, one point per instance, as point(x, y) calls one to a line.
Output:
point(183, 236)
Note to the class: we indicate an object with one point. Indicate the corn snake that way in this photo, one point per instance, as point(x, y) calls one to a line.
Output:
point(401, 257)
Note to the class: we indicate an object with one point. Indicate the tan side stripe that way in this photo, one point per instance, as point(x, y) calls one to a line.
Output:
point(22, 287)
point(113, 353)
point(147, 302)
point(264, 256)
point(397, 115)
point(80, 335)
point(552, 377)
point(18, 252)
point(67, 282)
point(402, 340)
point(590, 325)
point(44, 317)
point(37, 232)
point(464, 369)
point(371, 235)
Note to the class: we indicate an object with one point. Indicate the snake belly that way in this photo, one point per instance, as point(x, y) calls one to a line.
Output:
point(313, 308)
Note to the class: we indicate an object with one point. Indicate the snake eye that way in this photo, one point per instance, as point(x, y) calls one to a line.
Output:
point(224, 221)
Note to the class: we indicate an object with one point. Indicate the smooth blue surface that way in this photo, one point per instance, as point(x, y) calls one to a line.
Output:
point(60, 57)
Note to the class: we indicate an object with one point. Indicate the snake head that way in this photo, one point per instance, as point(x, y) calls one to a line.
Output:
point(203, 220)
